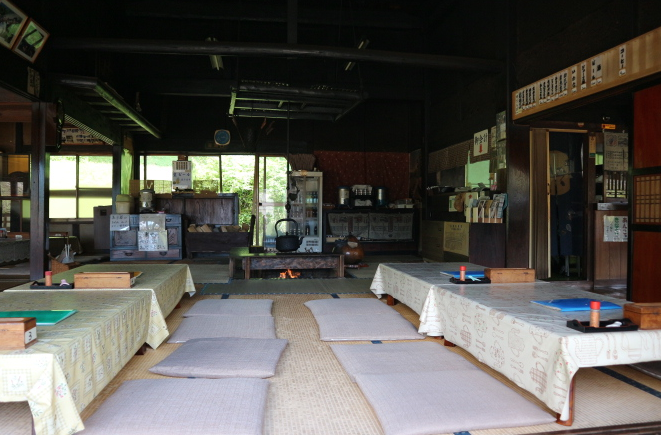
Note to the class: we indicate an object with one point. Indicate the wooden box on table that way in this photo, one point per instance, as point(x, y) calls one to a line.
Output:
point(91, 280)
point(17, 332)
point(510, 275)
point(645, 315)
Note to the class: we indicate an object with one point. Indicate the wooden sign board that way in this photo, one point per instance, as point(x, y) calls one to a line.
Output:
point(632, 60)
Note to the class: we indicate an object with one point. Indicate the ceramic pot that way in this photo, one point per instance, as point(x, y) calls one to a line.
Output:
point(352, 250)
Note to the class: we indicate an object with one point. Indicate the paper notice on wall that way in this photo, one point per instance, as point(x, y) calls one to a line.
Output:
point(152, 241)
point(455, 237)
point(596, 71)
point(574, 79)
point(584, 76)
point(616, 228)
point(119, 222)
point(616, 152)
point(152, 222)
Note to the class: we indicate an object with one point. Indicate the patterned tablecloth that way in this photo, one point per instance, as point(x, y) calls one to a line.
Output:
point(72, 361)
point(496, 323)
point(167, 283)
point(14, 250)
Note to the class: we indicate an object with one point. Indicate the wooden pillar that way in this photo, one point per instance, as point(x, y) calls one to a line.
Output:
point(117, 164)
point(39, 184)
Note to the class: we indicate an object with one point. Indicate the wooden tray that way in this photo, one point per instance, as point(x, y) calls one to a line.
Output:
point(627, 325)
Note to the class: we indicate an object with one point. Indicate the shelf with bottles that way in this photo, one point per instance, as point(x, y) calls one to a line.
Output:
point(306, 210)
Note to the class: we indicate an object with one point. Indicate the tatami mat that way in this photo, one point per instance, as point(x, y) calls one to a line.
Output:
point(311, 393)
point(286, 286)
point(209, 273)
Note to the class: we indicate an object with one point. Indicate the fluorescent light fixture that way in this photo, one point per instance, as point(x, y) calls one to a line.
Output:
point(216, 59)
point(361, 45)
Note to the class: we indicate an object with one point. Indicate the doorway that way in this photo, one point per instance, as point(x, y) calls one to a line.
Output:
point(567, 206)
point(559, 204)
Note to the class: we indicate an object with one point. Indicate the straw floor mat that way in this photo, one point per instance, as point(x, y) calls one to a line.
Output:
point(209, 273)
point(311, 394)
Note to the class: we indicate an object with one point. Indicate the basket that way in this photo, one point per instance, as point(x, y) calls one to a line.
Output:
point(57, 267)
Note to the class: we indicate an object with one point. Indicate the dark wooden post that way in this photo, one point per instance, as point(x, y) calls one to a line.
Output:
point(39, 183)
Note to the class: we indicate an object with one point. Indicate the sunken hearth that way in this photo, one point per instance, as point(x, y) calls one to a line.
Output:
point(296, 274)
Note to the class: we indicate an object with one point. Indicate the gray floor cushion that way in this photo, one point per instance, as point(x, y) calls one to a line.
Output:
point(423, 356)
point(223, 358)
point(224, 326)
point(348, 327)
point(365, 306)
point(182, 407)
point(422, 403)
point(232, 307)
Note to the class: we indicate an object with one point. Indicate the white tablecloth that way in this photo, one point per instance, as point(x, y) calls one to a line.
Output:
point(166, 282)
point(530, 344)
point(72, 361)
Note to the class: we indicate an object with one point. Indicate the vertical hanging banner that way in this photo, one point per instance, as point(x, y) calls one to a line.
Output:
point(623, 59)
point(481, 143)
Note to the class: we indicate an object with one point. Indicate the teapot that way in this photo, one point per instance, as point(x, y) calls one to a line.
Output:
point(287, 242)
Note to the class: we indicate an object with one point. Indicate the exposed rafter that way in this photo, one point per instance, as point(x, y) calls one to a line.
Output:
point(277, 50)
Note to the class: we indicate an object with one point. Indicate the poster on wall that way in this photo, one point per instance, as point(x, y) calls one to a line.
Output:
point(455, 237)
point(481, 142)
point(616, 228)
point(616, 151)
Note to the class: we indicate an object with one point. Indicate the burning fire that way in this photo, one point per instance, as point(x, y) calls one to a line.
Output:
point(289, 274)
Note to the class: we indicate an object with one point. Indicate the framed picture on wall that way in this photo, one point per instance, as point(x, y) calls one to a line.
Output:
point(12, 21)
point(31, 41)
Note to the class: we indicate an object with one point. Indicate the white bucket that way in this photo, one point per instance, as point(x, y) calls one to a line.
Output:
point(123, 204)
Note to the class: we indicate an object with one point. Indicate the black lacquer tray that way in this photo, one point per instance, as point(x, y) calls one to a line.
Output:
point(627, 325)
point(484, 280)
point(42, 285)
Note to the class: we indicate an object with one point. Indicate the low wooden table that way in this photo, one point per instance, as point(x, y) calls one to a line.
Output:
point(284, 260)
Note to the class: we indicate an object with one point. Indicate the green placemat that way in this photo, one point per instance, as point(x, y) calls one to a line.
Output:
point(44, 318)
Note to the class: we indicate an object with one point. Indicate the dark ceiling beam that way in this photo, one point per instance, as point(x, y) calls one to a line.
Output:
point(219, 88)
point(273, 13)
point(207, 48)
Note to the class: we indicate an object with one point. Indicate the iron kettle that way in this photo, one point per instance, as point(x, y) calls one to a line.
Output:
point(287, 242)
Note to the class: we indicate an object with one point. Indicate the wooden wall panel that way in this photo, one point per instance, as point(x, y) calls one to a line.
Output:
point(610, 258)
point(518, 189)
point(431, 240)
point(540, 219)
point(644, 267)
point(645, 237)
point(647, 128)
point(487, 245)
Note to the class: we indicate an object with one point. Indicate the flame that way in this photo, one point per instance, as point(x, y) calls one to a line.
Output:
point(289, 274)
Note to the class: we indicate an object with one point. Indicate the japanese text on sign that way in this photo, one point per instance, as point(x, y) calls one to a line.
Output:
point(616, 228)
point(119, 222)
point(481, 142)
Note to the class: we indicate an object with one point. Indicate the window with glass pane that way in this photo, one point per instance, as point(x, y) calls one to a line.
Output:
point(62, 202)
point(206, 173)
point(160, 167)
point(94, 183)
point(78, 184)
